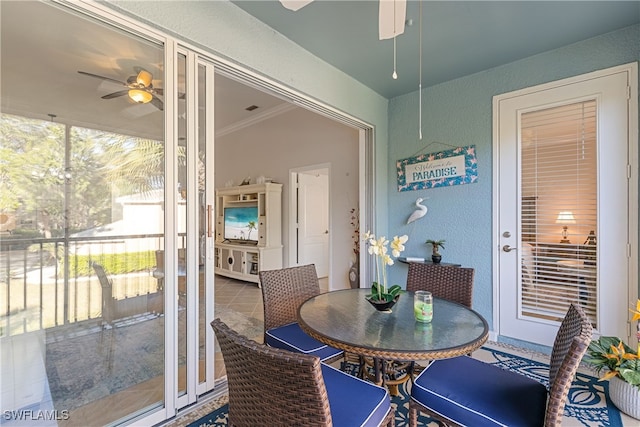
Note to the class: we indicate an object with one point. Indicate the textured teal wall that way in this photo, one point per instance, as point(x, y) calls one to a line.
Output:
point(459, 113)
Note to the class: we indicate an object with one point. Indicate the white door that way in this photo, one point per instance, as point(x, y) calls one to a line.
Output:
point(313, 220)
point(563, 229)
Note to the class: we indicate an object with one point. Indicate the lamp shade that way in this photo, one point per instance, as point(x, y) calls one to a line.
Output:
point(144, 78)
point(565, 217)
point(140, 96)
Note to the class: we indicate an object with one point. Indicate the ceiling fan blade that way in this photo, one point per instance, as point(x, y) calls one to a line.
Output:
point(390, 22)
point(157, 103)
point(116, 94)
point(136, 111)
point(102, 77)
point(295, 4)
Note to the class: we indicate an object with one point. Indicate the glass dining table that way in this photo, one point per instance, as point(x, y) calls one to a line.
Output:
point(344, 319)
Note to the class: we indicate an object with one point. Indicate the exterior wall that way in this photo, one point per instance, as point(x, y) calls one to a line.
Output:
point(459, 113)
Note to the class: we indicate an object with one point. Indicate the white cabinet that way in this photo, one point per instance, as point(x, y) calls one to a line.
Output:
point(248, 230)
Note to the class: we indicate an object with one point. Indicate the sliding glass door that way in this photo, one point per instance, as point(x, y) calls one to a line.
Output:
point(195, 227)
point(104, 247)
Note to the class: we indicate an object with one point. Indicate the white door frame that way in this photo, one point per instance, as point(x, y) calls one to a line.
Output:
point(632, 248)
point(293, 209)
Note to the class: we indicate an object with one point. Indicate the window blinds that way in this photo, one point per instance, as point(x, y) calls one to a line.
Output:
point(559, 210)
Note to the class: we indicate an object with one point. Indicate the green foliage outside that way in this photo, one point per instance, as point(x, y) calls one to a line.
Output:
point(80, 265)
point(51, 182)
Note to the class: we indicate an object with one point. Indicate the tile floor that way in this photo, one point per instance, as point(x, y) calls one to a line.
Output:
point(244, 297)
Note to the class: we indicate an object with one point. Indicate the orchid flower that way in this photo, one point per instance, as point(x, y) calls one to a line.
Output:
point(379, 247)
point(397, 245)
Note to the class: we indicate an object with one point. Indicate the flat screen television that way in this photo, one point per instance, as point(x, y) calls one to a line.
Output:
point(241, 224)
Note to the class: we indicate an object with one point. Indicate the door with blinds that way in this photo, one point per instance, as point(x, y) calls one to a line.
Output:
point(563, 204)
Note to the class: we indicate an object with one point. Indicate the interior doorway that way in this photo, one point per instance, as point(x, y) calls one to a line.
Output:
point(310, 209)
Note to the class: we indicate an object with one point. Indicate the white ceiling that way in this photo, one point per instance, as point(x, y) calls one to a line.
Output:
point(40, 64)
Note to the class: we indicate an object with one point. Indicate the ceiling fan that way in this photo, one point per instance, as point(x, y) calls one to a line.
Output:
point(391, 15)
point(139, 88)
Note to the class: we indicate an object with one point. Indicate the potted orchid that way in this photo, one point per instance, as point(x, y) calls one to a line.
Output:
point(622, 365)
point(383, 297)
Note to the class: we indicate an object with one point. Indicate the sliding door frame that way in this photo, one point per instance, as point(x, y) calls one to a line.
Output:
point(172, 45)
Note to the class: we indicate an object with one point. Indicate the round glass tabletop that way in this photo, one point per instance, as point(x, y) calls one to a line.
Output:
point(344, 319)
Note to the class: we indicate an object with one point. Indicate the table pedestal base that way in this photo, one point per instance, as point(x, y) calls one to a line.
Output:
point(388, 373)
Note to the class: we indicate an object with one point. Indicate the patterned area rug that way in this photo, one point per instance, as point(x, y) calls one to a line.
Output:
point(587, 405)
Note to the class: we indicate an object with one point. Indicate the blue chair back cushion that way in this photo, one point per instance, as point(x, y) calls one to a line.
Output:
point(291, 337)
point(354, 402)
point(474, 393)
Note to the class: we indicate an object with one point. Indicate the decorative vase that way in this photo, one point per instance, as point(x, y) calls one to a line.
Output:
point(625, 396)
point(354, 275)
point(436, 259)
point(384, 306)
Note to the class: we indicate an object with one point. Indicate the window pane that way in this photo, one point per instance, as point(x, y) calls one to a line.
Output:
point(82, 188)
point(559, 210)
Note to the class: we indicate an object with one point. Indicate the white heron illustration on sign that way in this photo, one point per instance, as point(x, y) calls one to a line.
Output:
point(420, 211)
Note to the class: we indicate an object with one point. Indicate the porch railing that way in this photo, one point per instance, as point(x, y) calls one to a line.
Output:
point(35, 292)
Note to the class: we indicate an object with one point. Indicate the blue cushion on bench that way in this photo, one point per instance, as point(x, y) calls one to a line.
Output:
point(354, 402)
point(291, 337)
point(475, 393)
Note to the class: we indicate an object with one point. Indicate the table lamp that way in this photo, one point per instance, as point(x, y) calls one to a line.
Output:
point(565, 217)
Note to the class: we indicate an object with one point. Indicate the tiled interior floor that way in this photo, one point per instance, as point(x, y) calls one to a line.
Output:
point(245, 298)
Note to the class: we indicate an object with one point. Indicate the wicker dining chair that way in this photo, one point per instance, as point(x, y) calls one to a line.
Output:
point(451, 283)
point(446, 282)
point(467, 391)
point(283, 292)
point(276, 387)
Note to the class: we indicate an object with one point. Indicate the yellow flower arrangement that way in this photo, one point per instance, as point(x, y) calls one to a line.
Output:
point(618, 358)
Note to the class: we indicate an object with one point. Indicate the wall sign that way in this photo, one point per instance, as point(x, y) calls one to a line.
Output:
point(452, 167)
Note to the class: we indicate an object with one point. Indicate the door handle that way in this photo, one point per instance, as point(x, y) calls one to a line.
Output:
point(508, 248)
point(209, 221)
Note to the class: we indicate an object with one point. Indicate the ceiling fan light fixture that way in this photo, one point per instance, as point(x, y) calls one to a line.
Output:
point(144, 78)
point(140, 96)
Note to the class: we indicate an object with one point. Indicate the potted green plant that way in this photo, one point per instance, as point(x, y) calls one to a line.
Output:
point(622, 366)
point(435, 246)
point(381, 296)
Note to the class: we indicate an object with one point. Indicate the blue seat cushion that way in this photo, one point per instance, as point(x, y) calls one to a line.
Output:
point(473, 393)
point(291, 337)
point(354, 402)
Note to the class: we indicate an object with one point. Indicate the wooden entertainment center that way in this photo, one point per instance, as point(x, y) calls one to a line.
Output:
point(244, 258)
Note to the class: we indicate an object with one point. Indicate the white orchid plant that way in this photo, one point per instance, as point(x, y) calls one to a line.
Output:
point(379, 247)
